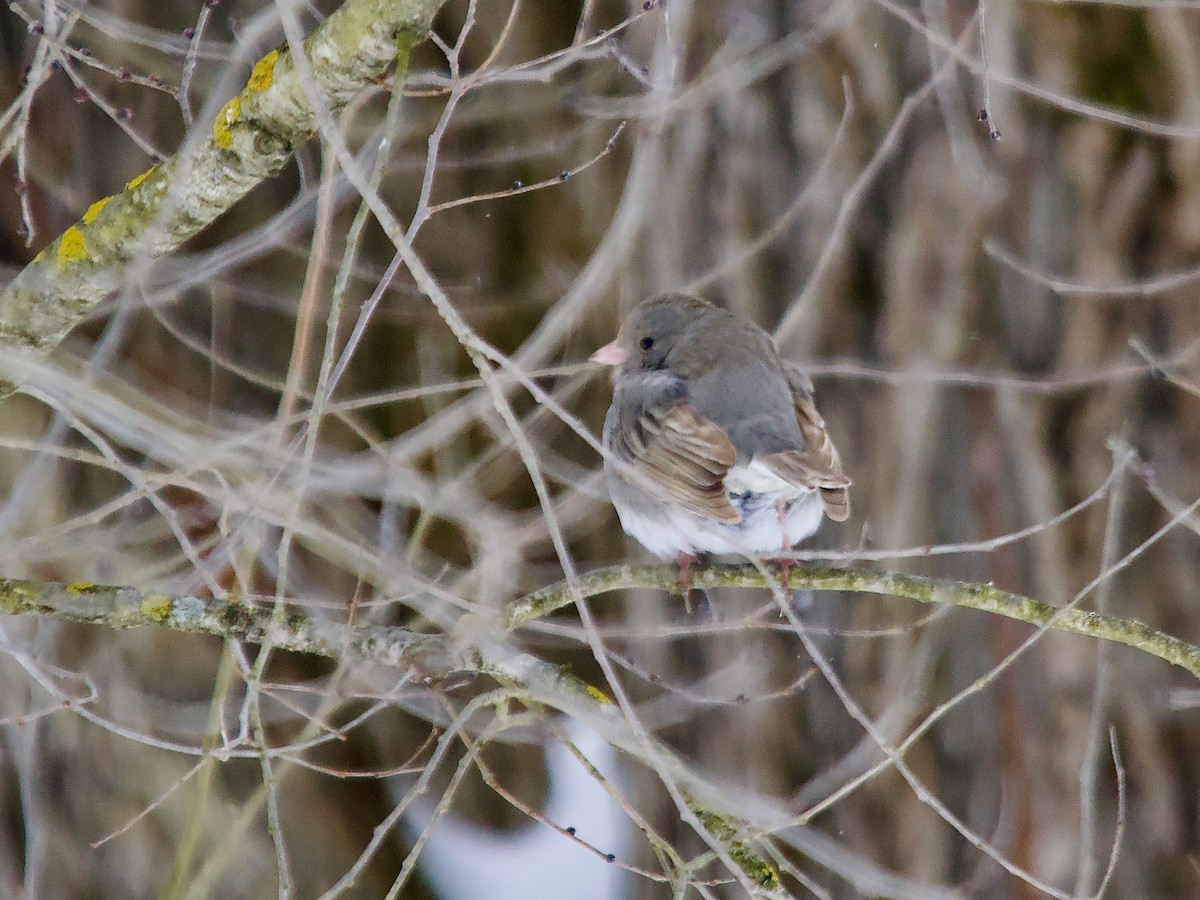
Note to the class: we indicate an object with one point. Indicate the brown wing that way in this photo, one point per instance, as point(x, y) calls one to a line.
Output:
point(681, 455)
point(816, 465)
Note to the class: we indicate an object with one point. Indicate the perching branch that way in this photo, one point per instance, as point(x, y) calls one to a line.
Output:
point(912, 587)
point(253, 137)
point(437, 656)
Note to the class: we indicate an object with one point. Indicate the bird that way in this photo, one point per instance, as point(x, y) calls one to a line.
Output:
point(713, 442)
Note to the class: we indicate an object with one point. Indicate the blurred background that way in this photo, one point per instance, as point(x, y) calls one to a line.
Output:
point(1000, 313)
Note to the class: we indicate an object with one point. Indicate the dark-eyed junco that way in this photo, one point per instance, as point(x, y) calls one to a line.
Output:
point(715, 444)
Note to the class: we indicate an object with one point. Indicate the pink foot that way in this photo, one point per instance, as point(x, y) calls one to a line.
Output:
point(685, 579)
point(785, 562)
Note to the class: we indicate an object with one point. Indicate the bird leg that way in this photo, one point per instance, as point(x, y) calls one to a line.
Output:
point(685, 579)
point(785, 562)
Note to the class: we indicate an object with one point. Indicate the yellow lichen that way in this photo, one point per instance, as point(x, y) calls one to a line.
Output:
point(598, 695)
point(157, 607)
point(140, 178)
point(726, 830)
point(71, 248)
point(80, 587)
point(94, 210)
point(758, 869)
point(264, 72)
point(229, 114)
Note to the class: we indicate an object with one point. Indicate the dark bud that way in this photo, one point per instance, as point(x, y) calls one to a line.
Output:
point(518, 184)
point(22, 231)
point(56, 66)
point(564, 175)
point(212, 4)
point(611, 857)
point(124, 113)
point(155, 159)
point(648, 5)
point(995, 135)
point(1158, 373)
point(85, 52)
point(37, 28)
point(123, 74)
point(983, 117)
point(189, 33)
point(80, 95)
point(742, 698)
point(571, 830)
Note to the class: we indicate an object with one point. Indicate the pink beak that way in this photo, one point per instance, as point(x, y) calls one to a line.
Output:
point(611, 354)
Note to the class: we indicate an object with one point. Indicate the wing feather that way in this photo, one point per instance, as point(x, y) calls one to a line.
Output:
point(681, 455)
point(816, 465)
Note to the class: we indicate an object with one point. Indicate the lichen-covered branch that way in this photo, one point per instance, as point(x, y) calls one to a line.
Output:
point(984, 597)
point(252, 138)
point(441, 655)
point(229, 617)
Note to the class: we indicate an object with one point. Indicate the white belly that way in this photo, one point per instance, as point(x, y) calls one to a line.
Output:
point(666, 532)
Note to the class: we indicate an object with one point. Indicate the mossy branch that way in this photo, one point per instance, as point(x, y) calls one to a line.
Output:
point(442, 655)
point(229, 617)
point(984, 597)
point(252, 138)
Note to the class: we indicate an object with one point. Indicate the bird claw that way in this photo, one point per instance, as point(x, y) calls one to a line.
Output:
point(785, 573)
point(685, 579)
point(785, 562)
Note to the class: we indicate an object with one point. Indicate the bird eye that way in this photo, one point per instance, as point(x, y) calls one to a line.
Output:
point(646, 343)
